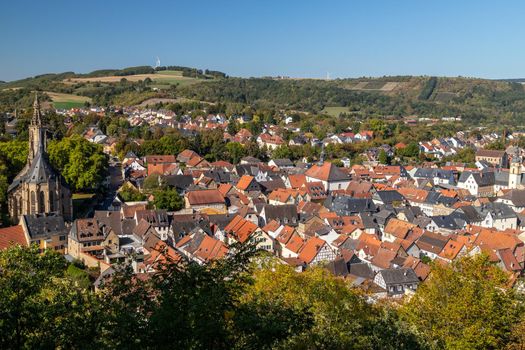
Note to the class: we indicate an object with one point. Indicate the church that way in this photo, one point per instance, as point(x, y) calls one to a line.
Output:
point(38, 188)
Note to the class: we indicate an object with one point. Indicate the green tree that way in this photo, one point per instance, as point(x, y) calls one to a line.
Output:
point(82, 163)
point(383, 157)
point(340, 317)
point(464, 305)
point(40, 307)
point(129, 194)
point(14, 153)
point(282, 152)
point(168, 199)
point(152, 183)
point(235, 152)
point(496, 145)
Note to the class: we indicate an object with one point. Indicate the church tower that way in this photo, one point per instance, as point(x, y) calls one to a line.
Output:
point(38, 188)
point(515, 173)
point(37, 134)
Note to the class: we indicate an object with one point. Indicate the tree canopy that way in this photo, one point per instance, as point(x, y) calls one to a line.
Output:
point(82, 163)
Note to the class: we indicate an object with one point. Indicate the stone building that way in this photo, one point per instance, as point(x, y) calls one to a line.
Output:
point(38, 188)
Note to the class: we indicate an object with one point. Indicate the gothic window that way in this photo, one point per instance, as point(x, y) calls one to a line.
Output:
point(51, 201)
point(20, 208)
point(33, 202)
point(41, 203)
point(15, 205)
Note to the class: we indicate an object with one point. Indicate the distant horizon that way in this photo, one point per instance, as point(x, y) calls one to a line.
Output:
point(296, 38)
point(266, 75)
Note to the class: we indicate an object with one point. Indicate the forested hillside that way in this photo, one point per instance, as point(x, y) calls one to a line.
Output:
point(477, 101)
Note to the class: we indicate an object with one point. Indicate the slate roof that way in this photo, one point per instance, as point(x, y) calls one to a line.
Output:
point(362, 270)
point(498, 211)
point(42, 225)
point(180, 182)
point(345, 205)
point(281, 212)
point(449, 222)
point(517, 197)
point(399, 276)
point(388, 196)
point(487, 178)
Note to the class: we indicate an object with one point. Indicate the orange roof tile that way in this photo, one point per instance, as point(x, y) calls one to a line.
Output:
point(244, 182)
point(13, 235)
point(310, 249)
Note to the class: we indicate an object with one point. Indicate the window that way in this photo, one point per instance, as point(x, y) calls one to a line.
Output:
point(41, 203)
point(51, 201)
point(33, 202)
point(62, 238)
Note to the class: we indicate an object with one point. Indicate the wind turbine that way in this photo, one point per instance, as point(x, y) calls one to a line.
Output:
point(157, 62)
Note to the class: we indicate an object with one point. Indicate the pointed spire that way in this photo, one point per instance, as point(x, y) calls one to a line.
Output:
point(37, 120)
point(321, 158)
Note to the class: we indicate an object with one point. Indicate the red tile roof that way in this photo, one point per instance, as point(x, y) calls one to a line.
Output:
point(202, 197)
point(310, 249)
point(13, 235)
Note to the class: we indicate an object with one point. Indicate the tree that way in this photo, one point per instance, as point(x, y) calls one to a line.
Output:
point(332, 316)
point(153, 182)
point(282, 152)
point(14, 153)
point(82, 163)
point(130, 194)
point(410, 151)
point(40, 307)
point(383, 157)
point(464, 305)
point(496, 145)
point(235, 152)
point(168, 199)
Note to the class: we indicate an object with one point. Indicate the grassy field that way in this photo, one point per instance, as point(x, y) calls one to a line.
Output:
point(335, 111)
point(163, 78)
point(67, 101)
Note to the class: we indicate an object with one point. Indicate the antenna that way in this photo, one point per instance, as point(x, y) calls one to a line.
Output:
point(157, 62)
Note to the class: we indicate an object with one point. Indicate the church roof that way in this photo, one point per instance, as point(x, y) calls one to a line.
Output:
point(40, 171)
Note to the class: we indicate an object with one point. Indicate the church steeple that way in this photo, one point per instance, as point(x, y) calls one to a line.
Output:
point(37, 136)
point(37, 116)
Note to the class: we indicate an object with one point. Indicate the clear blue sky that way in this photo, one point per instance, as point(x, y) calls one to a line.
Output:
point(254, 38)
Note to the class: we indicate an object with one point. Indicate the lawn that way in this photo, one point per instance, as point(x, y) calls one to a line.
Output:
point(335, 111)
point(161, 78)
point(67, 101)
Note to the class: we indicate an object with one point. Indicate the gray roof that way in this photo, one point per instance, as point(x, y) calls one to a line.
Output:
point(468, 213)
point(433, 173)
point(388, 196)
point(346, 205)
point(283, 162)
point(497, 211)
point(517, 197)
point(280, 213)
point(449, 222)
point(44, 225)
point(361, 270)
point(180, 182)
point(399, 276)
point(337, 267)
point(218, 175)
point(487, 178)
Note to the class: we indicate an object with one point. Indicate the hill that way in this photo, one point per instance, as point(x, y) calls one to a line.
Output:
point(123, 87)
point(477, 101)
